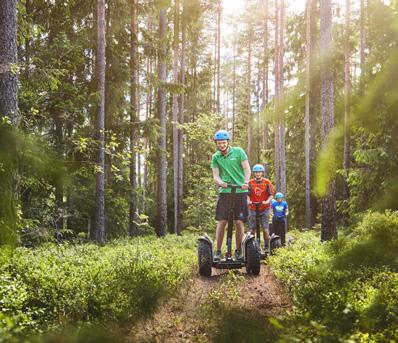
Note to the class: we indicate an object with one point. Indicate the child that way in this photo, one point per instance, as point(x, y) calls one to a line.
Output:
point(261, 191)
point(280, 211)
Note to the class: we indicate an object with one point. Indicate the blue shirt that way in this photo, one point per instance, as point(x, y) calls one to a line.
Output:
point(279, 208)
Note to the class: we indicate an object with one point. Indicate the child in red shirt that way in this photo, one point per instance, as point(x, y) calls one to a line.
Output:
point(261, 191)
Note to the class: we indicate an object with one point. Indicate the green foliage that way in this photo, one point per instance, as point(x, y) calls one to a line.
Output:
point(343, 290)
point(55, 286)
point(200, 191)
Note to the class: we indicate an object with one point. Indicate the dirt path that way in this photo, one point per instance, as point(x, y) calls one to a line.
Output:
point(220, 308)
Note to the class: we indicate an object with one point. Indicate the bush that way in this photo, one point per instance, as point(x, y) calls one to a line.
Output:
point(55, 286)
point(343, 290)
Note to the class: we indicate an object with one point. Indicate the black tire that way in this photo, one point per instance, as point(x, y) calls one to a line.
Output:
point(253, 258)
point(204, 259)
point(275, 244)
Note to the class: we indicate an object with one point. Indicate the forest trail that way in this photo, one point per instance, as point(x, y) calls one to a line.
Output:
point(219, 308)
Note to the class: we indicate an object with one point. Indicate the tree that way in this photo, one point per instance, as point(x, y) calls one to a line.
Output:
point(133, 228)
point(100, 176)
point(281, 109)
point(277, 147)
point(307, 115)
point(328, 225)
point(8, 115)
point(175, 112)
point(218, 53)
point(265, 78)
point(347, 130)
point(182, 117)
point(161, 225)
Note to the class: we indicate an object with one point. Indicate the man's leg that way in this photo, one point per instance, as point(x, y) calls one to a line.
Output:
point(220, 233)
point(239, 233)
point(252, 222)
point(265, 225)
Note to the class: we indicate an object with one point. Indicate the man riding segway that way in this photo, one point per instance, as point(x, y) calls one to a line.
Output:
point(260, 194)
point(231, 171)
point(230, 165)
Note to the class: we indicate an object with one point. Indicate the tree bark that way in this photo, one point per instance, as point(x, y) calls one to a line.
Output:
point(9, 110)
point(248, 95)
point(8, 61)
point(218, 53)
point(265, 80)
point(347, 131)
point(182, 119)
point(161, 225)
point(277, 101)
point(362, 44)
point(328, 225)
point(175, 116)
point(307, 116)
point(233, 90)
point(281, 102)
point(100, 177)
point(133, 227)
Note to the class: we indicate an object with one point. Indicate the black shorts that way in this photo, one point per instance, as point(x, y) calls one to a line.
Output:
point(240, 207)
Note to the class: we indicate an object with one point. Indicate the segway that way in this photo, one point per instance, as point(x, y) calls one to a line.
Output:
point(250, 253)
point(275, 241)
point(263, 255)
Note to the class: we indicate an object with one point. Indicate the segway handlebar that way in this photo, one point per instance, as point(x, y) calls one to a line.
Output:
point(233, 186)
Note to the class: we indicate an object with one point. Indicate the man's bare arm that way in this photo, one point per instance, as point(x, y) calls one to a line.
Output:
point(217, 179)
point(246, 168)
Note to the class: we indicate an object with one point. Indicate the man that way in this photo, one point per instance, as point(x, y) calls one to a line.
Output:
point(261, 191)
point(230, 166)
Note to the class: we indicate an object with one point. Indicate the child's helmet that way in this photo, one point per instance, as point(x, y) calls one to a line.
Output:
point(221, 135)
point(258, 168)
point(279, 195)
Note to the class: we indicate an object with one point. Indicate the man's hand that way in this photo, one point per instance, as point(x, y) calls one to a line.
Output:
point(245, 186)
point(249, 202)
point(223, 184)
point(266, 202)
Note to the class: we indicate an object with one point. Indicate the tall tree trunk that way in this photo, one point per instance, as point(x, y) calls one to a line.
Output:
point(281, 102)
point(175, 115)
point(133, 227)
point(248, 95)
point(100, 177)
point(314, 100)
point(328, 225)
point(233, 91)
point(161, 225)
point(347, 131)
point(182, 119)
point(214, 95)
point(307, 115)
point(218, 53)
point(265, 80)
point(8, 109)
point(277, 102)
point(362, 44)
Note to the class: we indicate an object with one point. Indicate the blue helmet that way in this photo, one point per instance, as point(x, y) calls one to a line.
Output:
point(258, 168)
point(221, 135)
point(279, 195)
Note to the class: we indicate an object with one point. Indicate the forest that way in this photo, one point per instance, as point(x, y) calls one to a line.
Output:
point(108, 109)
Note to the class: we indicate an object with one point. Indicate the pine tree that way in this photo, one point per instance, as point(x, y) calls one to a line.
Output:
point(100, 176)
point(328, 225)
point(161, 225)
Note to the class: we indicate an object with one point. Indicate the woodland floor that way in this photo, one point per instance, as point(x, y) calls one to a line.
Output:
point(227, 307)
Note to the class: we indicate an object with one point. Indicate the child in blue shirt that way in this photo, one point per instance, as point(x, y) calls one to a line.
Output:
point(280, 210)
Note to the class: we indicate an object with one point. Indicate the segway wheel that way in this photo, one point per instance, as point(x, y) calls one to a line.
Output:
point(204, 259)
point(275, 244)
point(253, 258)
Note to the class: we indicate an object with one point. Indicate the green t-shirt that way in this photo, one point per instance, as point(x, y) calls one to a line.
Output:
point(230, 167)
